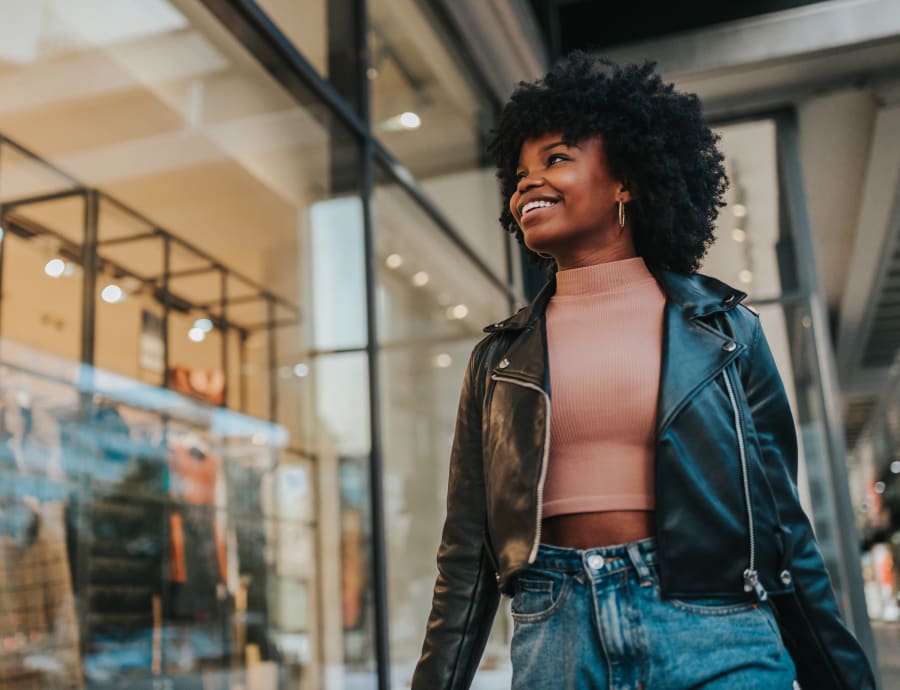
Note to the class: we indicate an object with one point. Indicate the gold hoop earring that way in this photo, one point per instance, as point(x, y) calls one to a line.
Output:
point(621, 214)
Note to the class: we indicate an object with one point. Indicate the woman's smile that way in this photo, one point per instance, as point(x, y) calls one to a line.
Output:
point(566, 201)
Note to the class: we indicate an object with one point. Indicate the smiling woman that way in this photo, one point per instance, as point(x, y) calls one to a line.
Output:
point(648, 530)
point(566, 201)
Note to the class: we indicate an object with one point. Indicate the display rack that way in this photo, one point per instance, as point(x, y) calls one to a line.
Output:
point(88, 255)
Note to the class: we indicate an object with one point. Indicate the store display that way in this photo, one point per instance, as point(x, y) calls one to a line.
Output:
point(208, 386)
point(37, 607)
point(138, 519)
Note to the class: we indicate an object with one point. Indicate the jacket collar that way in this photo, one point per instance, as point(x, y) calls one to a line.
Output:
point(697, 295)
point(693, 352)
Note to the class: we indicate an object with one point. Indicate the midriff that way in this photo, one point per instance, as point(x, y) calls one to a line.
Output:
point(588, 530)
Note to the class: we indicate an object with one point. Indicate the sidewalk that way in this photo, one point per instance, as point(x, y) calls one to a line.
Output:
point(887, 638)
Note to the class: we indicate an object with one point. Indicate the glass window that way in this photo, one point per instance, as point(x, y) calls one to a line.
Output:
point(747, 237)
point(431, 116)
point(306, 26)
point(432, 306)
point(184, 389)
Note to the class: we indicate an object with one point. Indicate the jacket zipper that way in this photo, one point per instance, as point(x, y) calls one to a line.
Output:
point(540, 487)
point(751, 576)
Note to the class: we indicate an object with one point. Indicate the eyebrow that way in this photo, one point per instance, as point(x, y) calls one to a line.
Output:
point(561, 142)
point(551, 145)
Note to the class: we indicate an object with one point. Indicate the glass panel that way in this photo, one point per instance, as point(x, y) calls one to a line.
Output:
point(429, 114)
point(306, 25)
point(194, 501)
point(432, 306)
point(427, 287)
point(41, 274)
point(745, 252)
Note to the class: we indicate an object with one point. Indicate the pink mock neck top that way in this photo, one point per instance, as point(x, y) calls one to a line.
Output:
point(604, 340)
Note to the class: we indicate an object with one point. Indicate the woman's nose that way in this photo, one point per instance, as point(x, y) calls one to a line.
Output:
point(527, 182)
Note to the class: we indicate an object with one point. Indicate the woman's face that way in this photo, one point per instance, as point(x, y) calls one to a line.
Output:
point(566, 202)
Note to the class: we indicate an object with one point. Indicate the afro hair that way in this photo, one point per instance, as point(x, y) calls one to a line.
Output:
point(656, 142)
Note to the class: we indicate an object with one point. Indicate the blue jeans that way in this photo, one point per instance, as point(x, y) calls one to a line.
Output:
point(594, 619)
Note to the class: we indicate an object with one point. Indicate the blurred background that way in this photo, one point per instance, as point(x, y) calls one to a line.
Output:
point(246, 248)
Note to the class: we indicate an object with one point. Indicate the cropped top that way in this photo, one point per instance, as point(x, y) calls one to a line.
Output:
point(604, 340)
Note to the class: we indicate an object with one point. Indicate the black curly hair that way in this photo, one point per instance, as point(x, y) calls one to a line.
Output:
point(655, 139)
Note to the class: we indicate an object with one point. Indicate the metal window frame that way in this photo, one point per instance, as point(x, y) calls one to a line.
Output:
point(261, 37)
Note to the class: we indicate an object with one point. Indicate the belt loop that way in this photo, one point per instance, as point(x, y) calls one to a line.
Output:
point(643, 571)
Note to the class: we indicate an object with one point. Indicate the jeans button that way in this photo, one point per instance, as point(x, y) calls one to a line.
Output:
point(596, 561)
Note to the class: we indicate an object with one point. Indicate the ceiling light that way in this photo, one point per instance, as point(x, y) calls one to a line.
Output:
point(420, 279)
point(204, 325)
point(112, 294)
point(372, 73)
point(197, 335)
point(460, 311)
point(394, 261)
point(879, 487)
point(2, 233)
point(301, 370)
point(738, 235)
point(410, 120)
point(745, 276)
point(443, 360)
point(895, 467)
point(739, 210)
point(55, 268)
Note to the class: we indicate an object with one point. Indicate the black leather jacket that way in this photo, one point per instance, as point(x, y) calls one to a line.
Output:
point(725, 439)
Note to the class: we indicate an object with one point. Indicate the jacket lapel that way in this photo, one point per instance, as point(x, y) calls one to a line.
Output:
point(692, 355)
point(693, 351)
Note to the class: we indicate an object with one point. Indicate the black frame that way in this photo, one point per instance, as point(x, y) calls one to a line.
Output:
point(350, 106)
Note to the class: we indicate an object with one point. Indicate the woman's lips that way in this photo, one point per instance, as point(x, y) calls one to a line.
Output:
point(537, 213)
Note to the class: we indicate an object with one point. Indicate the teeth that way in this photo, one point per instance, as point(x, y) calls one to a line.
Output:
point(540, 203)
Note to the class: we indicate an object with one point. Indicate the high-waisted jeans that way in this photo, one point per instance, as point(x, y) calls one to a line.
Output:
point(594, 620)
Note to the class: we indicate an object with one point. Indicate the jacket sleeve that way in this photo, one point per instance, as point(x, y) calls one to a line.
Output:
point(826, 653)
point(465, 593)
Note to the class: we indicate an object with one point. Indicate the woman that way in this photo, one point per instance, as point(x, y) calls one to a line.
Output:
point(648, 530)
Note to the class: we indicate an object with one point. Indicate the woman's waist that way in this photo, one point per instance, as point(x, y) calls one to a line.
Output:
point(588, 530)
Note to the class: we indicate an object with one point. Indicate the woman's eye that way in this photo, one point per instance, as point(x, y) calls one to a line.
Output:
point(554, 157)
point(519, 176)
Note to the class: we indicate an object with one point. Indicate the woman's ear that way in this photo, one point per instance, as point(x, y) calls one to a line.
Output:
point(624, 193)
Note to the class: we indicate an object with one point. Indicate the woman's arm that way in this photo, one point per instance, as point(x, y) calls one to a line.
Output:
point(829, 655)
point(465, 593)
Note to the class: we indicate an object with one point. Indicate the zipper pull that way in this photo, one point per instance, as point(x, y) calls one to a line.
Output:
point(752, 584)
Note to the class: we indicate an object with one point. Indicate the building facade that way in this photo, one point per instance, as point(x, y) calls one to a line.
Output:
point(246, 250)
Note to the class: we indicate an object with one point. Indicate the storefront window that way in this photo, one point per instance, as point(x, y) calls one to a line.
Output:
point(875, 487)
point(432, 306)
point(429, 114)
point(747, 235)
point(305, 24)
point(183, 374)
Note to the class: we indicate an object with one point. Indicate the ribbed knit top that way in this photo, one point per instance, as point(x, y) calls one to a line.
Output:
point(604, 338)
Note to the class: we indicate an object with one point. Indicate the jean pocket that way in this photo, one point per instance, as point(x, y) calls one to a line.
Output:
point(537, 598)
